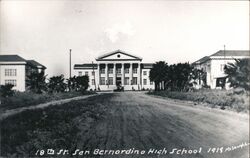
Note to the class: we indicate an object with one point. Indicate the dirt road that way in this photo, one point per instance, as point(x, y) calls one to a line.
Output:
point(143, 122)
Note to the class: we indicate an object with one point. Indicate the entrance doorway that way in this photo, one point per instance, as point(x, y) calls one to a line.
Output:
point(118, 81)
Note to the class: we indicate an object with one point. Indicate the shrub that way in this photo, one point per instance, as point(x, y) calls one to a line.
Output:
point(6, 90)
point(237, 99)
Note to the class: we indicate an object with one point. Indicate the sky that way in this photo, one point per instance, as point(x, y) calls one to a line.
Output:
point(171, 31)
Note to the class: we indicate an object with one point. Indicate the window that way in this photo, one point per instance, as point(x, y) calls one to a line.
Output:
point(134, 81)
point(93, 73)
point(118, 71)
point(80, 73)
point(135, 70)
point(110, 81)
point(86, 73)
point(126, 70)
point(151, 82)
point(144, 72)
point(10, 72)
point(93, 82)
point(222, 67)
point(102, 81)
point(110, 71)
point(102, 71)
point(12, 82)
point(126, 81)
point(145, 81)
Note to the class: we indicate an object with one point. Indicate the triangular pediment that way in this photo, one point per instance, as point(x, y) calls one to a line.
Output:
point(118, 55)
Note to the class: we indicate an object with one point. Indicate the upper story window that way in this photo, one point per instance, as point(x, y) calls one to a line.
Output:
point(86, 73)
point(135, 70)
point(110, 70)
point(144, 72)
point(10, 72)
point(118, 71)
point(222, 67)
point(93, 73)
point(102, 71)
point(126, 70)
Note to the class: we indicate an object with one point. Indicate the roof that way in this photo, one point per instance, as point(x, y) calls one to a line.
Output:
point(117, 51)
point(90, 66)
point(85, 66)
point(232, 53)
point(226, 53)
point(35, 64)
point(11, 58)
point(202, 60)
point(147, 65)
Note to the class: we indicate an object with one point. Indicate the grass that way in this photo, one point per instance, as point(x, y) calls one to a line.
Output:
point(55, 128)
point(24, 99)
point(236, 100)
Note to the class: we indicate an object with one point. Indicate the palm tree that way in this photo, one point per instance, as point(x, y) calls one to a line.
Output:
point(36, 81)
point(56, 84)
point(238, 73)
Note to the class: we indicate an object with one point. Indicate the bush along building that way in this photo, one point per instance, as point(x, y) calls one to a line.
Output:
point(116, 68)
point(214, 65)
point(15, 69)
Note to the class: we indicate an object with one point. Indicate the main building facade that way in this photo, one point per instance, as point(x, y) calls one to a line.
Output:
point(116, 68)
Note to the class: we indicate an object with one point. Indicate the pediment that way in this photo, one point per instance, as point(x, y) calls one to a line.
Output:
point(118, 55)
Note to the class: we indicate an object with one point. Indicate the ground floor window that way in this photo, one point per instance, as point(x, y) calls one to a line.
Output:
point(220, 82)
point(12, 82)
point(93, 82)
point(80, 73)
point(102, 81)
point(145, 81)
point(134, 81)
point(110, 81)
point(126, 81)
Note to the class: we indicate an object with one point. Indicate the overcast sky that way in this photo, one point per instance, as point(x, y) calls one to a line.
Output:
point(173, 31)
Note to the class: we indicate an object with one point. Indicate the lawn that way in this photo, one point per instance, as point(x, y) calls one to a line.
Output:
point(56, 127)
point(236, 100)
point(25, 99)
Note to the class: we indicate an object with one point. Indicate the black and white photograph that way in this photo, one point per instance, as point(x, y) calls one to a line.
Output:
point(124, 79)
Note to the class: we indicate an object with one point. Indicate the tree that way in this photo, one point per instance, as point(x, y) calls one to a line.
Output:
point(6, 90)
point(159, 73)
point(56, 84)
point(238, 73)
point(36, 81)
point(82, 83)
point(180, 76)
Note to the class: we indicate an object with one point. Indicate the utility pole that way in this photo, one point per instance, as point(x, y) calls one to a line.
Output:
point(70, 63)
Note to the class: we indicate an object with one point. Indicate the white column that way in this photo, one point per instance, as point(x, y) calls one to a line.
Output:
point(98, 75)
point(130, 73)
point(114, 72)
point(122, 72)
point(139, 74)
point(106, 73)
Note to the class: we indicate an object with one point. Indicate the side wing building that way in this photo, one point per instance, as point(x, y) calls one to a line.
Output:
point(15, 69)
point(116, 68)
point(214, 64)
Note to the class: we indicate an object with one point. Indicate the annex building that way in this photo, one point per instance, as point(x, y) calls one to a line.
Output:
point(15, 69)
point(214, 64)
point(116, 68)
